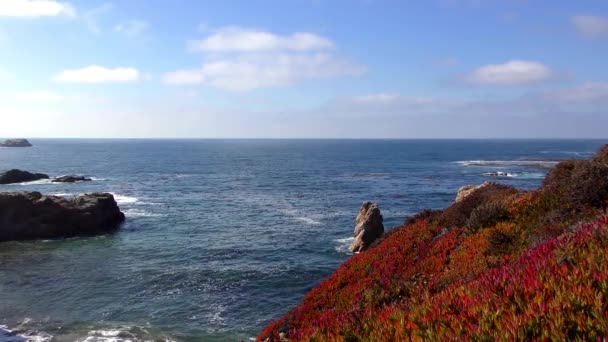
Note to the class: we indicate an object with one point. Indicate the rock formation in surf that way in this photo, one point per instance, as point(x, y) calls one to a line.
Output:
point(19, 176)
point(71, 179)
point(16, 143)
point(368, 227)
point(32, 215)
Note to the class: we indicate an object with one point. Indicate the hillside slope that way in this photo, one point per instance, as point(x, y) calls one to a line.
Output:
point(499, 263)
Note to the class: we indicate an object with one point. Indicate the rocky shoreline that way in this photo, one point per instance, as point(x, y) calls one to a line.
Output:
point(15, 176)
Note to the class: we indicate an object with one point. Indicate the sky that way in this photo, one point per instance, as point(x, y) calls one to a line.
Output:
point(304, 69)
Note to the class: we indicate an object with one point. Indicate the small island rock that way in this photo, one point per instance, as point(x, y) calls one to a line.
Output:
point(71, 179)
point(19, 176)
point(368, 227)
point(16, 143)
point(32, 215)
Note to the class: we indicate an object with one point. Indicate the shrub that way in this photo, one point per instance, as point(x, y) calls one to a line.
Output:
point(459, 212)
point(602, 155)
point(486, 215)
point(428, 214)
point(580, 184)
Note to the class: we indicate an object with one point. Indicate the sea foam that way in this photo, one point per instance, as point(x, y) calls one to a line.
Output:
point(343, 245)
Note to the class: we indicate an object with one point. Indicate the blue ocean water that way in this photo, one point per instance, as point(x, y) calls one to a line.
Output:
point(224, 236)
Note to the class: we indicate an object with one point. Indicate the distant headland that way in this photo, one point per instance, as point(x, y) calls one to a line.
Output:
point(15, 143)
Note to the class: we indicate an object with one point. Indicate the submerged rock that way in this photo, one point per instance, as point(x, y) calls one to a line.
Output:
point(16, 143)
point(71, 179)
point(32, 215)
point(368, 227)
point(19, 176)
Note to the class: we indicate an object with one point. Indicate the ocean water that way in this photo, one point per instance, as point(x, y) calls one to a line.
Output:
point(224, 236)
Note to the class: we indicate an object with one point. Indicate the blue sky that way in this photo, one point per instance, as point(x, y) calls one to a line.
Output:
point(304, 69)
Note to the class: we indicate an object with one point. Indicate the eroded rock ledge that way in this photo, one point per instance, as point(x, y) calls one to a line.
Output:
point(32, 215)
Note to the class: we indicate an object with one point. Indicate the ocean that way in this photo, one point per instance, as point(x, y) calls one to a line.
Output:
point(224, 236)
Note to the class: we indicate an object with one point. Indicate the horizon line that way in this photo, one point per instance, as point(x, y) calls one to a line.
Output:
point(308, 138)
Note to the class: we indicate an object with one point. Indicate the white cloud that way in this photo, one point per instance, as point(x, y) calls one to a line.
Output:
point(251, 72)
point(132, 28)
point(35, 8)
point(590, 92)
point(98, 74)
point(590, 25)
point(237, 39)
point(514, 72)
point(582, 98)
point(184, 77)
point(239, 59)
point(376, 98)
point(40, 96)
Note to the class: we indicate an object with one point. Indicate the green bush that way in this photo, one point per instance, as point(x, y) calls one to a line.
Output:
point(457, 215)
point(580, 184)
point(486, 215)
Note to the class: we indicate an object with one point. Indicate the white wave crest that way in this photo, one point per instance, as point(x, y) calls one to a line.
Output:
point(63, 194)
point(120, 199)
point(308, 220)
point(140, 213)
point(343, 245)
point(506, 162)
point(7, 335)
point(500, 174)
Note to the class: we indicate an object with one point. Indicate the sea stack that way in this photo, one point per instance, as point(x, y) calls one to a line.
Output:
point(16, 143)
point(20, 176)
point(32, 215)
point(368, 227)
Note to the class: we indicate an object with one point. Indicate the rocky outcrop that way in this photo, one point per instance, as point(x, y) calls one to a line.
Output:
point(19, 176)
point(16, 143)
point(467, 190)
point(71, 179)
point(368, 227)
point(32, 215)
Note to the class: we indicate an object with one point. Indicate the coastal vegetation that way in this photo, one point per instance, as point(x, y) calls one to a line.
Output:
point(499, 263)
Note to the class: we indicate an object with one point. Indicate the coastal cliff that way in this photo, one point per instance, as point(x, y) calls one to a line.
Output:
point(497, 262)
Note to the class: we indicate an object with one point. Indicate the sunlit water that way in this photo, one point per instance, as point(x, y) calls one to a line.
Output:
point(223, 237)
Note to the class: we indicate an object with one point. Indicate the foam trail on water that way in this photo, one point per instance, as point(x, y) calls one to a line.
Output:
point(308, 220)
point(343, 245)
point(506, 162)
point(140, 213)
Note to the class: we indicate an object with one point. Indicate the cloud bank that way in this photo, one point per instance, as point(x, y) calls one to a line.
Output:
point(35, 8)
point(514, 72)
point(591, 26)
point(240, 59)
point(237, 39)
point(98, 74)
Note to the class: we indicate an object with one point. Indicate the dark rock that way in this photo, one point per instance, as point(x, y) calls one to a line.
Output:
point(19, 176)
point(71, 179)
point(31, 215)
point(368, 227)
point(16, 143)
